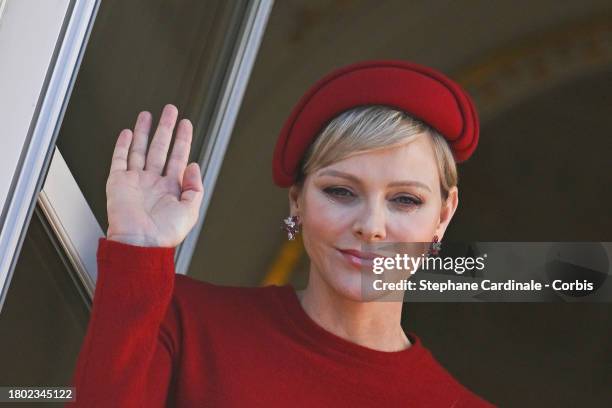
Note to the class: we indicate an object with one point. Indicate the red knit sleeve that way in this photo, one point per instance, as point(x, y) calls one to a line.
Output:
point(125, 359)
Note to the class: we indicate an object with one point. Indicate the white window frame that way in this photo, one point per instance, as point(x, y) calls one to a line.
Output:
point(224, 117)
point(36, 76)
point(72, 220)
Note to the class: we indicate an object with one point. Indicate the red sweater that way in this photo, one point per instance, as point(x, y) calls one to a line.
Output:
point(156, 338)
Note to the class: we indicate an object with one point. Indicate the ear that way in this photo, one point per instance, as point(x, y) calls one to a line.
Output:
point(447, 211)
point(295, 194)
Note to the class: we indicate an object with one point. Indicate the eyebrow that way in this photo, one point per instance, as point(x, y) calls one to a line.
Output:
point(412, 183)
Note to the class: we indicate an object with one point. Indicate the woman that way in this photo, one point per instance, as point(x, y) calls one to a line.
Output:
point(361, 170)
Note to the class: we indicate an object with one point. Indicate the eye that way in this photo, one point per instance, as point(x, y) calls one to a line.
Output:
point(407, 201)
point(339, 192)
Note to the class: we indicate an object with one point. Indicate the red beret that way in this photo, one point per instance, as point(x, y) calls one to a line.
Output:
point(422, 92)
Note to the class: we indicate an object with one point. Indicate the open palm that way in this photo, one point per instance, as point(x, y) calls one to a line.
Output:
point(146, 207)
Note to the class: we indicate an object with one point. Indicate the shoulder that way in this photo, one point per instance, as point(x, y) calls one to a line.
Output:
point(436, 379)
point(198, 297)
point(210, 311)
point(471, 400)
point(190, 289)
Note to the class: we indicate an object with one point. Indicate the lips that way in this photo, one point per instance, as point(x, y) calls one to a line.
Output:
point(367, 256)
point(358, 259)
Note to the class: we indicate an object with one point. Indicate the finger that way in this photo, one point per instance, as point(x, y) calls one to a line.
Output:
point(192, 188)
point(120, 154)
point(180, 151)
point(138, 150)
point(156, 157)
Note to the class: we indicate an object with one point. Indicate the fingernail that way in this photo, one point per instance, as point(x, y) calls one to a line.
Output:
point(170, 106)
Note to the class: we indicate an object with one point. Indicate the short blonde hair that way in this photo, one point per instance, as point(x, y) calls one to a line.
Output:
point(372, 127)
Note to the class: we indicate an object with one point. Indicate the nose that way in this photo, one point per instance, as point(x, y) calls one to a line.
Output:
point(370, 224)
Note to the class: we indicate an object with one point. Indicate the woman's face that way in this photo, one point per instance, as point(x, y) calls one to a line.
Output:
point(384, 196)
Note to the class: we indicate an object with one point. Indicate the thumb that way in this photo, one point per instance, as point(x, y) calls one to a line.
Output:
point(192, 189)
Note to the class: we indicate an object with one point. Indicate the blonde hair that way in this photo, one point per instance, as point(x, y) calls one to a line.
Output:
point(372, 127)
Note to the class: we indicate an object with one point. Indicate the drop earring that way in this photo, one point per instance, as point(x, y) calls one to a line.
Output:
point(435, 246)
point(291, 226)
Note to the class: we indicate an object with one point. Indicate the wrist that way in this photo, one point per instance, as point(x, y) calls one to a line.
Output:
point(133, 239)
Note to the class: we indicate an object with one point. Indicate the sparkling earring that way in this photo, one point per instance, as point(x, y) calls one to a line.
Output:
point(435, 246)
point(291, 226)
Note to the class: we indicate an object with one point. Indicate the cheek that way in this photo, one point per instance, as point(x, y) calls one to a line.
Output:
point(324, 218)
point(415, 226)
point(324, 224)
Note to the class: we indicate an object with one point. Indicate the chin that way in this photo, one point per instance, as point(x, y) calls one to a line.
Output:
point(355, 287)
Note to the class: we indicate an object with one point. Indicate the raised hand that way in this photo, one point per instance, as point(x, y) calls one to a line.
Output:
point(146, 207)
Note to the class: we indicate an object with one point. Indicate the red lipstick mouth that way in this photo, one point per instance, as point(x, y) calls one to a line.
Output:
point(365, 256)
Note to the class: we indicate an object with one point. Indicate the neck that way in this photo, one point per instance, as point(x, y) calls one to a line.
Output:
point(375, 325)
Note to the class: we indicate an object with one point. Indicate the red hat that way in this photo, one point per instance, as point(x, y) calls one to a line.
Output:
point(422, 92)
